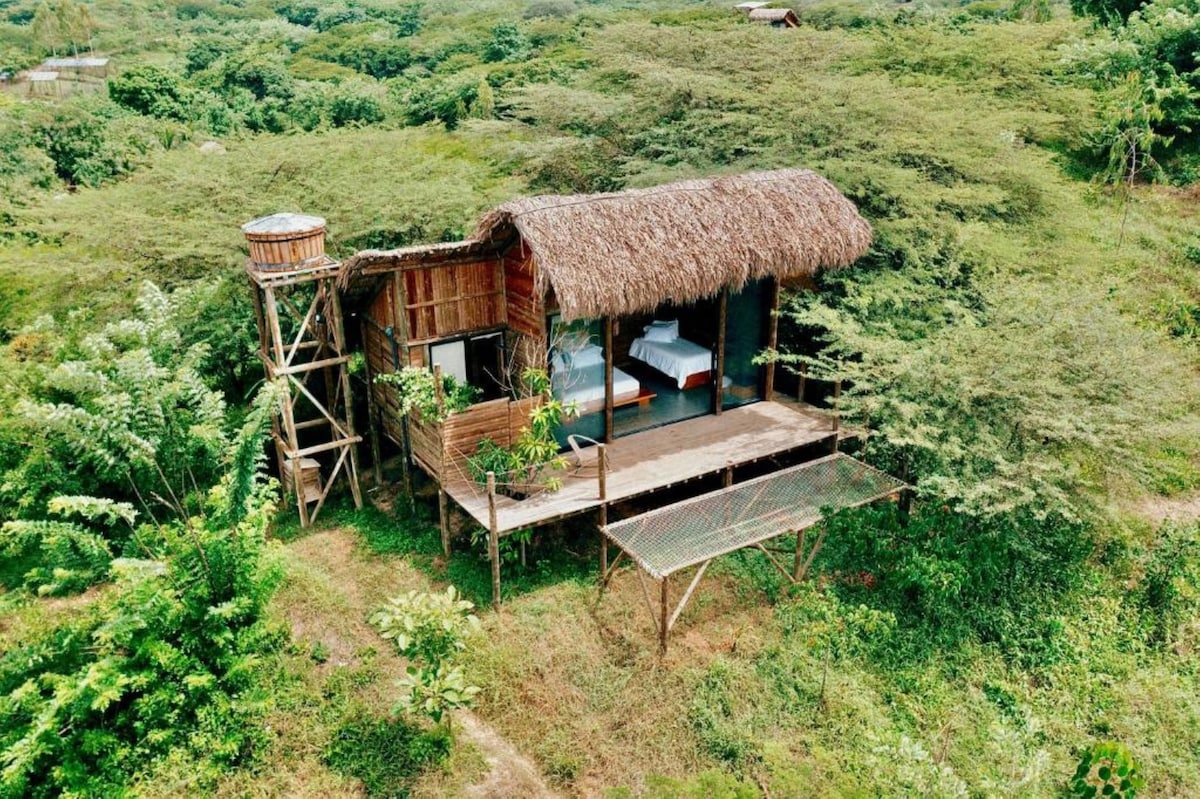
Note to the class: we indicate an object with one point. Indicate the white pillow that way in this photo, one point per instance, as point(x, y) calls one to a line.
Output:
point(663, 334)
point(587, 356)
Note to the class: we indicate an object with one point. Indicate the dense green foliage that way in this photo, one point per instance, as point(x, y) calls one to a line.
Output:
point(1021, 340)
point(168, 659)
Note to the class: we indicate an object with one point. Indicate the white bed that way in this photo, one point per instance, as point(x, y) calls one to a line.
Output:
point(585, 386)
point(679, 359)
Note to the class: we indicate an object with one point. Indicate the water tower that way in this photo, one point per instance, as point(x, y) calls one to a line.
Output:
point(302, 345)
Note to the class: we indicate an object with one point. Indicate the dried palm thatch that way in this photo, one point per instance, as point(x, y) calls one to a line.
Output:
point(631, 251)
point(614, 254)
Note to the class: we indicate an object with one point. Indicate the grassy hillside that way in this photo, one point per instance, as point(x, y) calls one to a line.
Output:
point(1022, 338)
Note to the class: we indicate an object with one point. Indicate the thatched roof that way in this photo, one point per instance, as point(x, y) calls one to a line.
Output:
point(783, 16)
point(631, 251)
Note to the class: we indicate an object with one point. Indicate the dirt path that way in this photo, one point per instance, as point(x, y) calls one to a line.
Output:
point(1176, 509)
point(358, 583)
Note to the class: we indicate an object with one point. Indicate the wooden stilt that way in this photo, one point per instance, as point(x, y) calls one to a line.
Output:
point(373, 420)
point(493, 539)
point(837, 401)
point(316, 343)
point(444, 521)
point(602, 479)
point(339, 345)
point(664, 626)
point(799, 556)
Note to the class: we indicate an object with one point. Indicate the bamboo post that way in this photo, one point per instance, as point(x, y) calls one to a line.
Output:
point(663, 624)
point(837, 414)
point(373, 420)
point(339, 343)
point(444, 521)
point(797, 566)
point(493, 539)
point(802, 381)
point(837, 398)
point(602, 460)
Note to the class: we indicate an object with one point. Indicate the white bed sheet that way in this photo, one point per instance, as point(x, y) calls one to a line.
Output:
point(678, 359)
point(586, 385)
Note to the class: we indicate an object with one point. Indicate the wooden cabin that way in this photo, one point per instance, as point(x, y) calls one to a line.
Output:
point(653, 300)
point(775, 17)
point(647, 308)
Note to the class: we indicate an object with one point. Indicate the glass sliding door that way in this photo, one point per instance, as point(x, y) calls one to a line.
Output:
point(746, 321)
point(577, 370)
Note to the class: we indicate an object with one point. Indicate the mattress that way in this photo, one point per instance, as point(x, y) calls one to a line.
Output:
point(586, 385)
point(678, 359)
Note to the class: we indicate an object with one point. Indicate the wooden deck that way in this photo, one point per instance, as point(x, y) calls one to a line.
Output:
point(656, 459)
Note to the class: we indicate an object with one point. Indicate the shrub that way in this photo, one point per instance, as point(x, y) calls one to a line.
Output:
point(152, 91)
point(431, 630)
point(1107, 769)
point(353, 105)
point(507, 43)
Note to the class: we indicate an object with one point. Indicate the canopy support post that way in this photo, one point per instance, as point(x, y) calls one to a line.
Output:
point(664, 625)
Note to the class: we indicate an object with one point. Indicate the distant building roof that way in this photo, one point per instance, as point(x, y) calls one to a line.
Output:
point(775, 16)
point(41, 77)
point(74, 63)
point(750, 6)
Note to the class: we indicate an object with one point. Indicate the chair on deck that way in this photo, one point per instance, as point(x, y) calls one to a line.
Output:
point(585, 459)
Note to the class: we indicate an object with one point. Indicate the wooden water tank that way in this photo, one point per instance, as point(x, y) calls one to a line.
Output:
point(285, 242)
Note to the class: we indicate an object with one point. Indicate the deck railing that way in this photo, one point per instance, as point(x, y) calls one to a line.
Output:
point(442, 448)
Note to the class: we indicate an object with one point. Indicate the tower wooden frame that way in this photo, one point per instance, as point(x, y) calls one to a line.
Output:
point(308, 298)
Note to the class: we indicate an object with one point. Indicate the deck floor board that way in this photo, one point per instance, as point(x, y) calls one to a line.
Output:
point(656, 459)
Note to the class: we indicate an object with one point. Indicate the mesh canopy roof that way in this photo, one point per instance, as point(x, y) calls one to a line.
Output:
point(690, 532)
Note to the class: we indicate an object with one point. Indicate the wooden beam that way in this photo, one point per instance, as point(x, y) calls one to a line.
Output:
point(687, 594)
point(312, 365)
